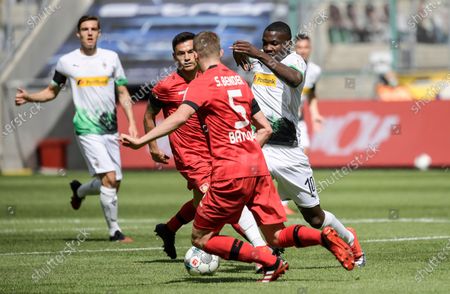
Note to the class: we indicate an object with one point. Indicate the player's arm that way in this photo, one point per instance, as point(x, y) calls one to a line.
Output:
point(125, 101)
point(150, 124)
point(170, 124)
point(262, 125)
point(316, 118)
point(263, 128)
point(292, 77)
point(47, 94)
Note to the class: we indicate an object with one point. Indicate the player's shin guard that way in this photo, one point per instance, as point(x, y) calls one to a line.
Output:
point(331, 221)
point(108, 200)
point(90, 188)
point(230, 248)
point(299, 236)
point(185, 215)
point(248, 224)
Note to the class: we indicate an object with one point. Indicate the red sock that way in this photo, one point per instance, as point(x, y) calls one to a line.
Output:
point(240, 231)
point(185, 215)
point(299, 236)
point(233, 249)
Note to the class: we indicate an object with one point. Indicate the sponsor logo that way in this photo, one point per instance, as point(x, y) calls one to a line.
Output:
point(267, 80)
point(92, 81)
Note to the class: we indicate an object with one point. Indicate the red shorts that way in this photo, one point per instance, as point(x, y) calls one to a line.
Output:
point(225, 200)
point(198, 178)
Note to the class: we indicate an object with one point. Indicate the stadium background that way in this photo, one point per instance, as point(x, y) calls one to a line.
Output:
point(355, 42)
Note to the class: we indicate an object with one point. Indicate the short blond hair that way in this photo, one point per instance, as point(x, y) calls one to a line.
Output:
point(207, 44)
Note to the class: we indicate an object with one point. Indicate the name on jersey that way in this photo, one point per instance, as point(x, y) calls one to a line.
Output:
point(262, 79)
point(240, 136)
point(92, 81)
point(224, 81)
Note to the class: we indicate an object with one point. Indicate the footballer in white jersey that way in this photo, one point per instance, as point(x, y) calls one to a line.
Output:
point(95, 75)
point(303, 48)
point(277, 86)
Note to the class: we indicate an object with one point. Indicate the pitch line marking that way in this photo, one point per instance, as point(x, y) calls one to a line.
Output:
point(405, 239)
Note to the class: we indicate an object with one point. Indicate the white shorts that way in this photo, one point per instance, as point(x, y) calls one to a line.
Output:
point(290, 167)
point(101, 153)
point(304, 137)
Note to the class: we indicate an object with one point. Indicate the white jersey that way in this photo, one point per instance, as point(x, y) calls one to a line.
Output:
point(278, 101)
point(93, 80)
point(313, 72)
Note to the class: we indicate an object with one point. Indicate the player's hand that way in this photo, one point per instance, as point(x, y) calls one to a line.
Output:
point(21, 97)
point(242, 61)
point(159, 156)
point(132, 130)
point(246, 48)
point(130, 142)
point(317, 121)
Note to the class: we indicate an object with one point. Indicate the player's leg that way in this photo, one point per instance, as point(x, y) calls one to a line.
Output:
point(79, 190)
point(269, 213)
point(220, 206)
point(110, 172)
point(295, 181)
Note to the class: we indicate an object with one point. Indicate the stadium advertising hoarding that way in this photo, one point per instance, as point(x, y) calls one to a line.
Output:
point(356, 133)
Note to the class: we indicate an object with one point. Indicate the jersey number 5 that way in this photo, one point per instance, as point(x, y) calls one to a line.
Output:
point(238, 108)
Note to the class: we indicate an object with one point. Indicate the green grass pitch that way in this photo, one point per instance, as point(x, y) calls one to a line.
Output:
point(402, 218)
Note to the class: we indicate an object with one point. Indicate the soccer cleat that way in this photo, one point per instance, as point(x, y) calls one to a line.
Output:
point(338, 247)
point(168, 238)
point(358, 253)
point(75, 200)
point(272, 273)
point(120, 237)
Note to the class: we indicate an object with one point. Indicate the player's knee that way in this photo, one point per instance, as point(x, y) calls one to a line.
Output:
point(315, 222)
point(197, 241)
point(109, 180)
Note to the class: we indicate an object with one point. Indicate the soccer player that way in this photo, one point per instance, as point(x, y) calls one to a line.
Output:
point(277, 86)
point(189, 147)
point(240, 177)
point(95, 75)
point(312, 76)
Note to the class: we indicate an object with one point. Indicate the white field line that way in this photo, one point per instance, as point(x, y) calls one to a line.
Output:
point(11, 229)
point(13, 221)
point(159, 248)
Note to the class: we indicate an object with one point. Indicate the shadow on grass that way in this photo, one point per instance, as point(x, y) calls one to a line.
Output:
point(211, 279)
point(160, 261)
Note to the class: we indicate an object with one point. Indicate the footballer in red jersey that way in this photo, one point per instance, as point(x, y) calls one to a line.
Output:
point(240, 176)
point(189, 146)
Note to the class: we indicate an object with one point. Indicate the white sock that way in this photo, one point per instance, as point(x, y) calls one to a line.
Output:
point(285, 203)
point(108, 200)
point(332, 221)
point(89, 188)
point(248, 224)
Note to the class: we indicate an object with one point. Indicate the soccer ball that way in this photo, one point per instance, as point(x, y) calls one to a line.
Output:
point(423, 161)
point(197, 262)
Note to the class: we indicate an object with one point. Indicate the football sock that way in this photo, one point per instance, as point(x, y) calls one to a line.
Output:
point(299, 236)
point(230, 248)
point(332, 221)
point(89, 188)
point(185, 215)
point(240, 231)
point(250, 228)
point(108, 200)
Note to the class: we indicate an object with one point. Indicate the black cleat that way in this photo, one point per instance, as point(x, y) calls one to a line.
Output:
point(168, 238)
point(75, 200)
point(120, 237)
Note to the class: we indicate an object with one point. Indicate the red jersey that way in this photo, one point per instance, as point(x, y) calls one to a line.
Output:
point(224, 101)
point(188, 143)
